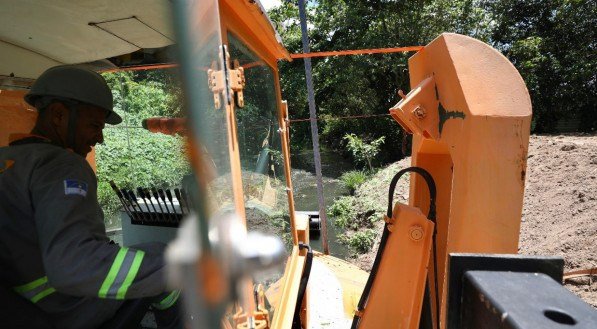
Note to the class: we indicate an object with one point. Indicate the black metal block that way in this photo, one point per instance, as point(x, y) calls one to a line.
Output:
point(509, 300)
point(460, 263)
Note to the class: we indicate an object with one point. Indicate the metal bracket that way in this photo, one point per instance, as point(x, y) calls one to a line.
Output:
point(416, 111)
point(388, 219)
point(217, 80)
point(237, 83)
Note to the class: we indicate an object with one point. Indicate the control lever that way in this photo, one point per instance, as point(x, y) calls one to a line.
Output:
point(154, 192)
point(147, 201)
point(181, 202)
point(163, 197)
point(122, 200)
point(155, 213)
point(133, 199)
point(169, 196)
point(187, 201)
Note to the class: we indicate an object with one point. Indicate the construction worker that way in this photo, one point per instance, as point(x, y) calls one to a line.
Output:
point(54, 251)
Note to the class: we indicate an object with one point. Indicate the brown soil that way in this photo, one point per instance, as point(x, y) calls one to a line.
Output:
point(559, 216)
point(560, 206)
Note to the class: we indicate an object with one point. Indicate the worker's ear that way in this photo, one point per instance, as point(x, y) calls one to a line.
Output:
point(58, 114)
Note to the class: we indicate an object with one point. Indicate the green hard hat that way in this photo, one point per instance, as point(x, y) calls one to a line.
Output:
point(75, 83)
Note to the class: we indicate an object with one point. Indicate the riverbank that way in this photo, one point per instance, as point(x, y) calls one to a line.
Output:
point(559, 214)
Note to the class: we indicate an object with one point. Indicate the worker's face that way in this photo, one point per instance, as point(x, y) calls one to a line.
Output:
point(88, 132)
point(91, 120)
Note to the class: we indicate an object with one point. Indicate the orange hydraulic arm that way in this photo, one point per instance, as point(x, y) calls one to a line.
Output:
point(397, 280)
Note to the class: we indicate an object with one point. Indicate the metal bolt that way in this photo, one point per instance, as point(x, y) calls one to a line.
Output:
point(416, 233)
point(419, 112)
point(401, 94)
point(391, 227)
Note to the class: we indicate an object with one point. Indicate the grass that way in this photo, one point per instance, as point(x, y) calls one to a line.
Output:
point(361, 241)
point(342, 211)
point(360, 214)
point(352, 179)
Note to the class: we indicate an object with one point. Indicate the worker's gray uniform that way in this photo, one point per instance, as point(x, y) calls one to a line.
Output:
point(53, 247)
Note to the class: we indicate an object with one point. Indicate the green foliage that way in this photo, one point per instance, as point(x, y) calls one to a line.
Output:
point(277, 157)
point(364, 84)
point(551, 43)
point(342, 211)
point(363, 152)
point(352, 179)
point(360, 242)
point(133, 157)
point(137, 98)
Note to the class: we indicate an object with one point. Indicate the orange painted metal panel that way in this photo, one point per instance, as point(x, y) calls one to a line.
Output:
point(284, 293)
point(18, 117)
point(257, 31)
point(351, 278)
point(285, 137)
point(397, 293)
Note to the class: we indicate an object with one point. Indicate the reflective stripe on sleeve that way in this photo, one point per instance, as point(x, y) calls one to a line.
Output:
point(168, 301)
point(35, 290)
point(130, 277)
point(122, 274)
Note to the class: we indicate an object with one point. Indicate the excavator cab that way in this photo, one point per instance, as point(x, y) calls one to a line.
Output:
point(237, 144)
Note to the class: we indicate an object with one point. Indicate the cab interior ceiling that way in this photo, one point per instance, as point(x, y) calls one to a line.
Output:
point(38, 34)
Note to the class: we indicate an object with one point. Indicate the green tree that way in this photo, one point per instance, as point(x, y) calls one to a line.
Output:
point(363, 84)
point(362, 151)
point(553, 45)
point(551, 42)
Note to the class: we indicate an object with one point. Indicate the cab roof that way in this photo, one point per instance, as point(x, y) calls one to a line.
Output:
point(38, 34)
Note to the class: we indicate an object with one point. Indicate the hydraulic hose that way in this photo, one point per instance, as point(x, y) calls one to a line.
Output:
point(384, 237)
point(296, 321)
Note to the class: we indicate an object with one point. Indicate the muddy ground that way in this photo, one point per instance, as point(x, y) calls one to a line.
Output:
point(560, 206)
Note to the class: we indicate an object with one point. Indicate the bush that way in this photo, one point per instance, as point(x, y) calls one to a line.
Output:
point(342, 211)
point(362, 151)
point(133, 157)
point(352, 179)
point(146, 160)
point(360, 242)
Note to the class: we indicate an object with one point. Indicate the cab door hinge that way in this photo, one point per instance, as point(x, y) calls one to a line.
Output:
point(216, 83)
point(231, 77)
point(237, 83)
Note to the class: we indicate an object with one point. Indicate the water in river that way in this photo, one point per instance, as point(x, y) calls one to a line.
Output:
point(305, 192)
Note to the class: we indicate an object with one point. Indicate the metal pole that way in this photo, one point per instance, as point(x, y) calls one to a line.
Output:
point(314, 131)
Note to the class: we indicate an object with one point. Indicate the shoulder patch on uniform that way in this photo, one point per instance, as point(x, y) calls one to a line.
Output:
point(73, 186)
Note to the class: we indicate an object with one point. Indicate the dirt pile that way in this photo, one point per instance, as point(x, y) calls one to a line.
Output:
point(559, 216)
point(560, 205)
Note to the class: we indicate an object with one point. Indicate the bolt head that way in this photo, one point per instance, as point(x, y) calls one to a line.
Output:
point(419, 112)
point(416, 233)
